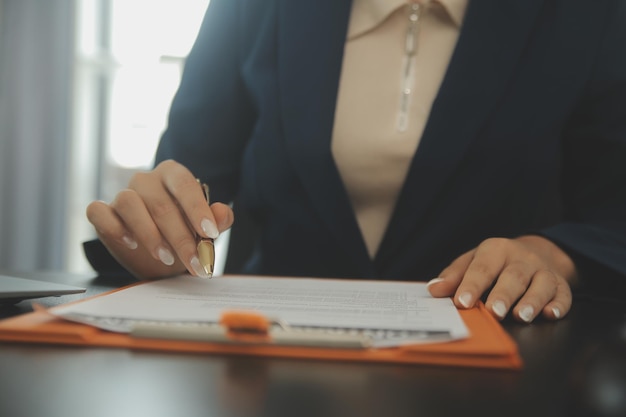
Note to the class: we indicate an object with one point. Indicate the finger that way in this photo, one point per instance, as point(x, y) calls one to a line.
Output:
point(511, 284)
point(188, 194)
point(167, 214)
point(109, 226)
point(485, 267)
point(224, 216)
point(119, 241)
point(134, 214)
point(561, 303)
point(541, 291)
point(448, 280)
point(175, 229)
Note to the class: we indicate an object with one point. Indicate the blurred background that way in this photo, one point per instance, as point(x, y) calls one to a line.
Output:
point(85, 87)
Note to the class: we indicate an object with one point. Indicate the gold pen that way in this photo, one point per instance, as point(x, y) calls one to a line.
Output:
point(206, 246)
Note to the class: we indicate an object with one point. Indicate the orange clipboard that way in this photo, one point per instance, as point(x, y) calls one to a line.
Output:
point(488, 346)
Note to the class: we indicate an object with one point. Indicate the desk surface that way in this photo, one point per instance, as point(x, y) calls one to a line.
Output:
point(574, 367)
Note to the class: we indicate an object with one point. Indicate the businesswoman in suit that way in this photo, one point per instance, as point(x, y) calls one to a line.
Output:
point(478, 145)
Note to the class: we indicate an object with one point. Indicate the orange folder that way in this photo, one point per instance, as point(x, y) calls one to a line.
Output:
point(489, 345)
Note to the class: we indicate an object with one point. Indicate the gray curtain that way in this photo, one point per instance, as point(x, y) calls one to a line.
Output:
point(36, 62)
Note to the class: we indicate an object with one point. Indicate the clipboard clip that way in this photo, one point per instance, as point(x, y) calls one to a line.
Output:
point(251, 328)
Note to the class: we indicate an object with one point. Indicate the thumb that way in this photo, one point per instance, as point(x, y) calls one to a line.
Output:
point(449, 279)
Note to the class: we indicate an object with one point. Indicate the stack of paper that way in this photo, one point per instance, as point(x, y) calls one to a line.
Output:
point(353, 320)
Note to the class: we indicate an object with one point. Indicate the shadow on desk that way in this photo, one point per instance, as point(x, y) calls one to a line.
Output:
point(597, 378)
point(586, 352)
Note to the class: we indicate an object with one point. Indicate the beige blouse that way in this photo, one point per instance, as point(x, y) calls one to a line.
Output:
point(371, 144)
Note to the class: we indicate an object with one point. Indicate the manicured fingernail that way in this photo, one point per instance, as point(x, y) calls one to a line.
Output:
point(556, 312)
point(166, 256)
point(209, 228)
point(526, 313)
point(465, 299)
point(434, 281)
point(197, 267)
point(499, 308)
point(129, 242)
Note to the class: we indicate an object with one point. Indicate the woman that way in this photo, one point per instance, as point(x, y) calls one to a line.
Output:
point(478, 145)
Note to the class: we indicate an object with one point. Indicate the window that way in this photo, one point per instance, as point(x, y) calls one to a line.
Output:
point(129, 60)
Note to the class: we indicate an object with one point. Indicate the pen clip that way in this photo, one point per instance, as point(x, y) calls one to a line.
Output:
point(205, 190)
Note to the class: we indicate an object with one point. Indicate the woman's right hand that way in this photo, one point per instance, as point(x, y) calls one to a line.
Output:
point(151, 227)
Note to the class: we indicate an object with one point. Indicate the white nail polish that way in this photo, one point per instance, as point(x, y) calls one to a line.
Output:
point(197, 267)
point(129, 242)
point(434, 281)
point(526, 313)
point(499, 308)
point(209, 228)
point(166, 256)
point(465, 299)
point(556, 312)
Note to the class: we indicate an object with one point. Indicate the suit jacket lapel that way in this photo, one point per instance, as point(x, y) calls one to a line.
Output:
point(490, 44)
point(310, 54)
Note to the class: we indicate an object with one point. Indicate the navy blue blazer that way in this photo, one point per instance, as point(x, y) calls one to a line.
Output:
point(526, 135)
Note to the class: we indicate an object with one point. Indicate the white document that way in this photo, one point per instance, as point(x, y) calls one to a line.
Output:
point(391, 312)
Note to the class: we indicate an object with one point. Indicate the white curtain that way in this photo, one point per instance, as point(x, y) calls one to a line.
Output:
point(36, 63)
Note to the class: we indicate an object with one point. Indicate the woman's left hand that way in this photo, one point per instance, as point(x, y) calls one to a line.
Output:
point(529, 275)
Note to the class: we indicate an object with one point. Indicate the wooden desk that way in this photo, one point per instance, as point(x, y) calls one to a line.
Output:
point(574, 367)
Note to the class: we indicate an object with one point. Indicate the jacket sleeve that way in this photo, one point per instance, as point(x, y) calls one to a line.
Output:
point(594, 178)
point(211, 116)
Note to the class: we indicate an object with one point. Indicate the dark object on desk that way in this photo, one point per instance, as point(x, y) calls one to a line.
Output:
point(15, 289)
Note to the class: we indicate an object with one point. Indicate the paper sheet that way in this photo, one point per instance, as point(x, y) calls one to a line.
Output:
point(404, 310)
